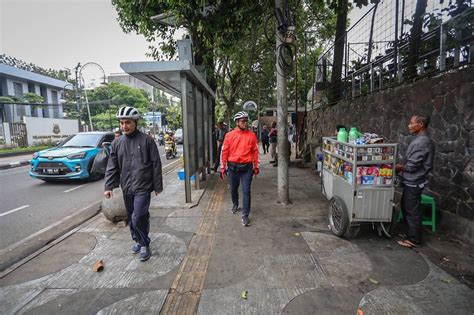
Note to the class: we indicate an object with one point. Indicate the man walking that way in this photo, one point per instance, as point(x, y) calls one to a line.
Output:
point(220, 135)
point(265, 139)
point(240, 160)
point(418, 163)
point(273, 144)
point(135, 165)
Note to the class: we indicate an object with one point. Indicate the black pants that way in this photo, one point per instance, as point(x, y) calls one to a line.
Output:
point(266, 146)
point(411, 209)
point(218, 158)
point(138, 217)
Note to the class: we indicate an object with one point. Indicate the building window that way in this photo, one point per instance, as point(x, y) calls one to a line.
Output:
point(31, 88)
point(18, 92)
point(54, 100)
point(18, 89)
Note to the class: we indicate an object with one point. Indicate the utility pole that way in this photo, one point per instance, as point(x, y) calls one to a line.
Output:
point(78, 95)
point(282, 121)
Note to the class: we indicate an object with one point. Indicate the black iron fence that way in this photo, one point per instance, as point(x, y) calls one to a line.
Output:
point(381, 50)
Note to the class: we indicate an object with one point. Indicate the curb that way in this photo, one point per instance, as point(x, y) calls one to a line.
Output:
point(24, 248)
point(5, 166)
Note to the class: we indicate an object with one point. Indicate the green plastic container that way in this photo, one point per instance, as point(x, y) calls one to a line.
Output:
point(342, 135)
point(353, 135)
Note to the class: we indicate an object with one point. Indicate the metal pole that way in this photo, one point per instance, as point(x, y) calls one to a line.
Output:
point(395, 43)
point(305, 72)
point(184, 114)
point(282, 124)
point(88, 111)
point(78, 96)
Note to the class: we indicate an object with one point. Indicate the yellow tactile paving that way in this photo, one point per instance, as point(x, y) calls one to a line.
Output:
point(185, 291)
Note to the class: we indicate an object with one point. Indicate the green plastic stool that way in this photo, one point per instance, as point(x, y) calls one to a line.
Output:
point(426, 200)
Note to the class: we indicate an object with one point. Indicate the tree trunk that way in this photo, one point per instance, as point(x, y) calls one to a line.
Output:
point(415, 36)
point(336, 84)
point(371, 36)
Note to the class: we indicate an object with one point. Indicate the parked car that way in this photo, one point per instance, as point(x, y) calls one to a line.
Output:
point(178, 136)
point(71, 159)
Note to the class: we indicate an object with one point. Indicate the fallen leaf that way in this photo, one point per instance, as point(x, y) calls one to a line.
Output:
point(373, 281)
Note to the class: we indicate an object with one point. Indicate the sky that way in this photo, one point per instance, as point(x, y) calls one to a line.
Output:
point(60, 33)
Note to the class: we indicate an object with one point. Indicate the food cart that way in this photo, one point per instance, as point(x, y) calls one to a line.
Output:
point(358, 180)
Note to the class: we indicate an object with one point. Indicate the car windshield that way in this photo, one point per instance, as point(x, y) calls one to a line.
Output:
point(82, 141)
point(179, 132)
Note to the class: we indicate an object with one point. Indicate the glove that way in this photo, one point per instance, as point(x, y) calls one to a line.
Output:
point(223, 173)
point(256, 171)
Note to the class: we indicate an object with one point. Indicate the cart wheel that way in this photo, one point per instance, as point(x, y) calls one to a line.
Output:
point(338, 216)
point(352, 231)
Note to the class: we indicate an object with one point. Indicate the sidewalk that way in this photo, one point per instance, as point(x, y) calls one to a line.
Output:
point(15, 161)
point(204, 261)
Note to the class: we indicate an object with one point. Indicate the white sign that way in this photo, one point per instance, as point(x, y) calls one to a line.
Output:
point(41, 130)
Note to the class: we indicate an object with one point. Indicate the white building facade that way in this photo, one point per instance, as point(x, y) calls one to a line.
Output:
point(17, 82)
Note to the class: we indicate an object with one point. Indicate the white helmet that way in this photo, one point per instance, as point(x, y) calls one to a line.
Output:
point(127, 112)
point(241, 115)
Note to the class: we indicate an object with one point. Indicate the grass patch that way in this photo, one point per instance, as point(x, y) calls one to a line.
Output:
point(28, 149)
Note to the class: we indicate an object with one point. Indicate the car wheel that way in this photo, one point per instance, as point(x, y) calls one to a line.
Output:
point(92, 175)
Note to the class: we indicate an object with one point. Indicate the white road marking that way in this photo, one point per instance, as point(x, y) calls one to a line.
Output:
point(14, 210)
point(69, 190)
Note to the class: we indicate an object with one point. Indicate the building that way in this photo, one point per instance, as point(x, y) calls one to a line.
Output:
point(128, 80)
point(17, 82)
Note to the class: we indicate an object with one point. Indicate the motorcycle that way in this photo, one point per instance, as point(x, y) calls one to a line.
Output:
point(161, 140)
point(170, 149)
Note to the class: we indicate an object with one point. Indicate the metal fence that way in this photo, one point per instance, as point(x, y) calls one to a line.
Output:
point(377, 48)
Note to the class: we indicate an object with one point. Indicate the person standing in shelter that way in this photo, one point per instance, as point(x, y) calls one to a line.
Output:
point(239, 160)
point(220, 135)
point(135, 165)
point(265, 139)
point(414, 171)
point(273, 143)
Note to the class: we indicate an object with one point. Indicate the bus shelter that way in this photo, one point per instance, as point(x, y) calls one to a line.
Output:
point(181, 79)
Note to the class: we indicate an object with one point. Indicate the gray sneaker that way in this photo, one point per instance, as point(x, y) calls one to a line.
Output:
point(136, 248)
point(145, 253)
point(234, 209)
point(245, 221)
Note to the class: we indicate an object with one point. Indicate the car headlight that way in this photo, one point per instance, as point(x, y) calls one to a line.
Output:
point(35, 155)
point(77, 156)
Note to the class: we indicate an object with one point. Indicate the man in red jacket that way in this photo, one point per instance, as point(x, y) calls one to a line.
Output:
point(239, 158)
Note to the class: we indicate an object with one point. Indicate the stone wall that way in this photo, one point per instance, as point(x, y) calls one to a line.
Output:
point(448, 99)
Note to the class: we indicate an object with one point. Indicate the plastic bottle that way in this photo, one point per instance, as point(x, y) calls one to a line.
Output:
point(342, 135)
point(353, 135)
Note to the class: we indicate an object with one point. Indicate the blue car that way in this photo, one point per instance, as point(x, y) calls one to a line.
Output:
point(71, 159)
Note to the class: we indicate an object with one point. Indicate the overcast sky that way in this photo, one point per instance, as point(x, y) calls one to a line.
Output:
point(60, 33)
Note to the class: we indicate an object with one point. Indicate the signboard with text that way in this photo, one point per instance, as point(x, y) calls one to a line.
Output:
point(49, 130)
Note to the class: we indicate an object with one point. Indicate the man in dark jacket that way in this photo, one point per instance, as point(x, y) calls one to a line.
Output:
point(265, 139)
point(220, 135)
point(135, 165)
point(417, 165)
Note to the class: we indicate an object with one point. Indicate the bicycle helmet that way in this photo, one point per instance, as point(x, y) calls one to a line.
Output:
point(241, 115)
point(127, 112)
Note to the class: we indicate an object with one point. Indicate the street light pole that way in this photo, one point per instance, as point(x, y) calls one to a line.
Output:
point(78, 95)
point(80, 77)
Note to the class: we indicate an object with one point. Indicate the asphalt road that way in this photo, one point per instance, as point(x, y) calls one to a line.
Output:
point(29, 205)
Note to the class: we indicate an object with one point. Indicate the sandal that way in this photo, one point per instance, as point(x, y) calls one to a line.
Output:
point(407, 243)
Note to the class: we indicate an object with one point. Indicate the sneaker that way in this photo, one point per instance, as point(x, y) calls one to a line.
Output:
point(145, 253)
point(275, 165)
point(136, 248)
point(245, 221)
point(234, 209)
point(272, 162)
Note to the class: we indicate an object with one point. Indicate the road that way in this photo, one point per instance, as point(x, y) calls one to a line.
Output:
point(29, 205)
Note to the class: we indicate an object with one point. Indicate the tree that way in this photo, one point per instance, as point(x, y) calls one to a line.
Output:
point(415, 37)
point(105, 100)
